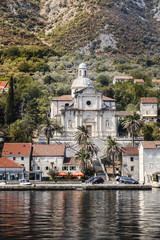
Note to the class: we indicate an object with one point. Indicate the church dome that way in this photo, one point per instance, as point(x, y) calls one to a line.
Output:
point(82, 81)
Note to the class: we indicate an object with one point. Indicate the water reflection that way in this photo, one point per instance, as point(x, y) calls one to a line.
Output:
point(80, 215)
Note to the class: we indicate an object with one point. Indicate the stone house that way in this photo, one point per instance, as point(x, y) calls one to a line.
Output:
point(149, 109)
point(130, 162)
point(149, 161)
point(10, 170)
point(70, 165)
point(47, 157)
point(139, 81)
point(19, 152)
point(86, 106)
point(122, 79)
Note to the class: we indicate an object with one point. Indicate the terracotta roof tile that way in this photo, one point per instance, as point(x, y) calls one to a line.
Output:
point(70, 161)
point(124, 113)
point(151, 144)
point(104, 98)
point(8, 163)
point(3, 84)
point(130, 151)
point(63, 98)
point(138, 80)
point(149, 100)
point(123, 77)
point(48, 150)
point(156, 80)
point(16, 149)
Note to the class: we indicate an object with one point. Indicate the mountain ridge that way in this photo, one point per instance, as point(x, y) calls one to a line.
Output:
point(94, 26)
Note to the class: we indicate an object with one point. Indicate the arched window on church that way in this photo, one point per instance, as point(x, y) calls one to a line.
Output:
point(79, 72)
point(107, 123)
point(85, 73)
point(69, 124)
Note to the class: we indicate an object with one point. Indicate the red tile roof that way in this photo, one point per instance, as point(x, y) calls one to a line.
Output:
point(151, 144)
point(70, 161)
point(104, 98)
point(138, 80)
point(123, 77)
point(130, 151)
point(10, 149)
point(8, 163)
point(3, 85)
point(156, 80)
point(124, 113)
point(149, 100)
point(63, 98)
point(48, 150)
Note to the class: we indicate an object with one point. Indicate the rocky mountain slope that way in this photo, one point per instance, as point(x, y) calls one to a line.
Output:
point(88, 26)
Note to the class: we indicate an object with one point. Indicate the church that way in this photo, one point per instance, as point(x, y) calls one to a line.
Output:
point(85, 106)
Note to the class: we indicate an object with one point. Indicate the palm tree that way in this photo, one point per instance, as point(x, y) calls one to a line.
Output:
point(112, 151)
point(50, 127)
point(82, 134)
point(89, 146)
point(83, 157)
point(132, 124)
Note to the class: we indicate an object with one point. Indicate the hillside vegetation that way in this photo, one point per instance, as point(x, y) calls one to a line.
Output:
point(93, 26)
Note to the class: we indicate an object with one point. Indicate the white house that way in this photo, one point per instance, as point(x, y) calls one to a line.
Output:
point(10, 170)
point(122, 79)
point(149, 109)
point(19, 152)
point(47, 157)
point(149, 161)
point(86, 106)
point(130, 162)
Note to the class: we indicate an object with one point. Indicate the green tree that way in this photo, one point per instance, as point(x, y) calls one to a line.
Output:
point(50, 127)
point(18, 133)
point(84, 158)
point(82, 134)
point(53, 173)
point(132, 125)
point(147, 131)
point(89, 146)
point(10, 108)
point(112, 151)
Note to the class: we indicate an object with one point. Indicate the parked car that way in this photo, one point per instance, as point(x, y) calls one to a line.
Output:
point(25, 182)
point(89, 180)
point(127, 180)
point(95, 180)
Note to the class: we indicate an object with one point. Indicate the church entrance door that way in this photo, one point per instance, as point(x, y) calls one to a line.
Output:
point(89, 127)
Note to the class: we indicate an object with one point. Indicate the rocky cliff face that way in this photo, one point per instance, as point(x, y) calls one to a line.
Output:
point(87, 26)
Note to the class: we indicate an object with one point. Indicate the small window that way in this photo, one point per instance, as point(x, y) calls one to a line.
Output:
point(132, 159)
point(22, 158)
point(72, 168)
point(19, 153)
point(65, 168)
point(14, 158)
point(47, 168)
point(10, 153)
point(24, 145)
point(38, 168)
point(132, 168)
point(22, 165)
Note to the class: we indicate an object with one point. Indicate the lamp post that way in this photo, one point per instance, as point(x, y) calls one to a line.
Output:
point(5, 167)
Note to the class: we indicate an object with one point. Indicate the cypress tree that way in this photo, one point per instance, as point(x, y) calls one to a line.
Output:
point(9, 109)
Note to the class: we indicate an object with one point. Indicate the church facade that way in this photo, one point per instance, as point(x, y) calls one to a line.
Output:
point(85, 106)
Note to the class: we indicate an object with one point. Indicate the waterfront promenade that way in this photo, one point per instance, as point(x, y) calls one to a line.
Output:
point(43, 186)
